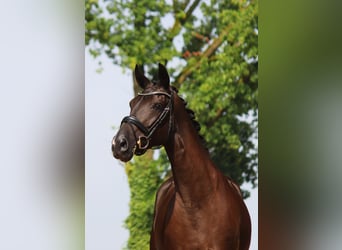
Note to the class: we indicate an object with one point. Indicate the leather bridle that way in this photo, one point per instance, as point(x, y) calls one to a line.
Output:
point(143, 142)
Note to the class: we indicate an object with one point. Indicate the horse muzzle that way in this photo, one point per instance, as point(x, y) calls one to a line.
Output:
point(121, 148)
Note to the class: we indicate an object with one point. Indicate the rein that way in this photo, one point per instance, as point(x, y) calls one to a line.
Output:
point(144, 141)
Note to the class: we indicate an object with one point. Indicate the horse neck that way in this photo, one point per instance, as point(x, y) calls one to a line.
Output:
point(194, 173)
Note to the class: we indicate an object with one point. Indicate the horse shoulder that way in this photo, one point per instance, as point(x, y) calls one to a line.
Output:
point(163, 198)
point(234, 185)
point(161, 211)
point(163, 190)
point(245, 220)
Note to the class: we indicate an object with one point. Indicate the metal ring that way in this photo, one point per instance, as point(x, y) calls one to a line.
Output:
point(143, 142)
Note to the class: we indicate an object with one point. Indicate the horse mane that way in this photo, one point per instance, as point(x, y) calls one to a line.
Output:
point(192, 117)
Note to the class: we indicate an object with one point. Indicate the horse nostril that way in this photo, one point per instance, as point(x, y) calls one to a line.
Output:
point(123, 144)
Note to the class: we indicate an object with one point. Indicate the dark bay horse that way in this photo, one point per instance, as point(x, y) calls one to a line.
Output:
point(198, 207)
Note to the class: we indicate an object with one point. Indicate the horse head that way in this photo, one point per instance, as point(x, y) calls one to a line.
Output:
point(150, 121)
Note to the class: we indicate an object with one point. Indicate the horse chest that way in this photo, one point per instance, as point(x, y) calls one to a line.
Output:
point(190, 227)
point(211, 224)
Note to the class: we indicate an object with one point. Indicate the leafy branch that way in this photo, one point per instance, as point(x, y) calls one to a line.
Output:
point(206, 54)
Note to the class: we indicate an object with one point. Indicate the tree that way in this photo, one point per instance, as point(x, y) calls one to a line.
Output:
point(210, 49)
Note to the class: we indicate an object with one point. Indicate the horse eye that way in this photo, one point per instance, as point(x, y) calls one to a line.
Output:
point(157, 106)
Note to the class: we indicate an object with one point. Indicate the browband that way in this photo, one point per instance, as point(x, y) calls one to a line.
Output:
point(155, 93)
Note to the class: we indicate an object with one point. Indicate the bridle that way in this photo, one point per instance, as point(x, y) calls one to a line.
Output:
point(143, 142)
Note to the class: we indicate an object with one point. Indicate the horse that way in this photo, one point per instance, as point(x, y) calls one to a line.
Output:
point(197, 207)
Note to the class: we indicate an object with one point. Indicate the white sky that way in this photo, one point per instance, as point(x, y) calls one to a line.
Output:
point(107, 193)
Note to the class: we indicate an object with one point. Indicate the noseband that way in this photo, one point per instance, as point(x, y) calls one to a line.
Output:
point(144, 141)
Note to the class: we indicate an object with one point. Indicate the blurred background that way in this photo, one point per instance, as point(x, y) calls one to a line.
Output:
point(42, 125)
point(300, 121)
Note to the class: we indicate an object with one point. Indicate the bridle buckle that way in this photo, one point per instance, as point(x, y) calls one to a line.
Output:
point(143, 142)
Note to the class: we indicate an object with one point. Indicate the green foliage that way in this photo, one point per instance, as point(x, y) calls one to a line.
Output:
point(211, 52)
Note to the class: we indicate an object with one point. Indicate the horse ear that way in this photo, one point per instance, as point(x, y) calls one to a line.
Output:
point(164, 76)
point(140, 78)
